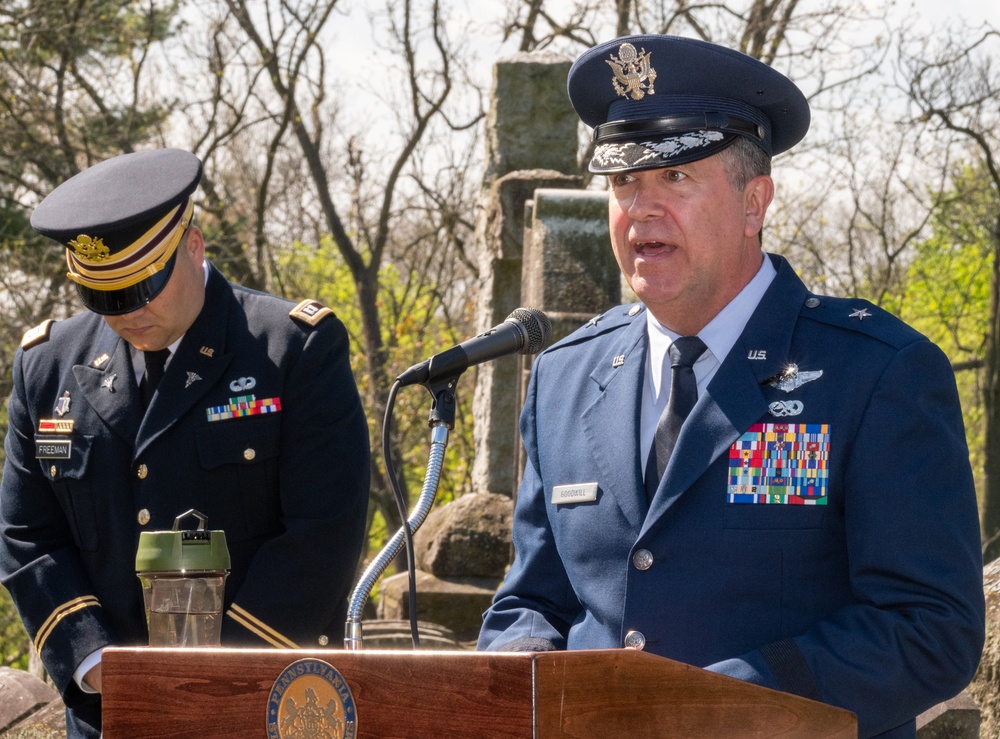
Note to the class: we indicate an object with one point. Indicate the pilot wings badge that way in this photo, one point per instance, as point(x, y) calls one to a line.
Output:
point(634, 77)
point(791, 378)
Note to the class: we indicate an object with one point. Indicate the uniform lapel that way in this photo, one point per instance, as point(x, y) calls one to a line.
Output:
point(195, 368)
point(734, 399)
point(110, 387)
point(611, 422)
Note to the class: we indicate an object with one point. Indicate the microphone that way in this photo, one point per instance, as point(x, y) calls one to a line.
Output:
point(525, 331)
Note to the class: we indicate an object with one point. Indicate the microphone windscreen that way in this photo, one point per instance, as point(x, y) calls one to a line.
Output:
point(537, 327)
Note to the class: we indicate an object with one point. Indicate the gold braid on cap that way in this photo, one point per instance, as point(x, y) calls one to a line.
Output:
point(141, 259)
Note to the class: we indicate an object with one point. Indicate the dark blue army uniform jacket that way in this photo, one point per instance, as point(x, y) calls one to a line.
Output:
point(289, 486)
point(863, 589)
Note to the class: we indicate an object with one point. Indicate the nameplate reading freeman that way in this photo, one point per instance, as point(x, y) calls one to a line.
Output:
point(52, 449)
point(311, 699)
point(581, 492)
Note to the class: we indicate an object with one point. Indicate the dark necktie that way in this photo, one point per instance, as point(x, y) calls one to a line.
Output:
point(683, 394)
point(155, 362)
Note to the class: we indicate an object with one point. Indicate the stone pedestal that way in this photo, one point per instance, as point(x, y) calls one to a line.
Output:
point(29, 708)
point(954, 719)
point(985, 687)
point(461, 554)
point(570, 271)
point(495, 403)
point(532, 136)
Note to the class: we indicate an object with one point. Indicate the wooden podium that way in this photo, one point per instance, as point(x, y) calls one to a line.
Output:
point(223, 693)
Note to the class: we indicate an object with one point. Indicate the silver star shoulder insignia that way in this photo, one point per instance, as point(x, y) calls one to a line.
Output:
point(791, 379)
point(861, 314)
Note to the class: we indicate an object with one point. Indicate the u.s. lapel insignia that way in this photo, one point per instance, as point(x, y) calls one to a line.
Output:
point(207, 351)
point(757, 354)
point(192, 377)
point(109, 383)
point(101, 360)
point(62, 405)
point(791, 378)
point(861, 314)
point(618, 361)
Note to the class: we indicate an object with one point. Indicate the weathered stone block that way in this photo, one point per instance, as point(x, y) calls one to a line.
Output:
point(957, 718)
point(456, 603)
point(469, 537)
point(500, 233)
point(397, 635)
point(570, 271)
point(531, 122)
point(985, 687)
point(21, 695)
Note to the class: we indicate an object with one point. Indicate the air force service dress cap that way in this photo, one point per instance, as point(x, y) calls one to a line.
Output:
point(658, 100)
point(121, 221)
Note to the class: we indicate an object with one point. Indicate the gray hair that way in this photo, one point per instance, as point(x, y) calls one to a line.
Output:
point(744, 160)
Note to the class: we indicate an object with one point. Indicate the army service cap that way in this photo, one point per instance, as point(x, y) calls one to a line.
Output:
point(656, 100)
point(121, 221)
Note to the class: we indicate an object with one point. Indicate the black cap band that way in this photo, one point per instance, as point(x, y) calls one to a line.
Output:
point(649, 128)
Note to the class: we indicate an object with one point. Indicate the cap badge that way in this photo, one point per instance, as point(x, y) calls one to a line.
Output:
point(92, 250)
point(634, 77)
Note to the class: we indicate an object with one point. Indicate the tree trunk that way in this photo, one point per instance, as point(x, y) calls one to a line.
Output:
point(991, 415)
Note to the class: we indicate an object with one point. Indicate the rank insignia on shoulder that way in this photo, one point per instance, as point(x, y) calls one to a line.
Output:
point(310, 312)
point(37, 335)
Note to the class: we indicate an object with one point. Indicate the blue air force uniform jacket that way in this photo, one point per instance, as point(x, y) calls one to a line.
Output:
point(813, 533)
point(288, 483)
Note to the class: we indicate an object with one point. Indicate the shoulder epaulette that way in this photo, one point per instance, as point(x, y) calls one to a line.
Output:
point(861, 316)
point(612, 320)
point(38, 334)
point(310, 312)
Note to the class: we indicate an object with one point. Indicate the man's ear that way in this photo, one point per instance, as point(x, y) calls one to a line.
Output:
point(195, 244)
point(758, 195)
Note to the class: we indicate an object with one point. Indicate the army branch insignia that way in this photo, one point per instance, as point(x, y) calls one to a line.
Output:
point(92, 250)
point(634, 77)
point(311, 700)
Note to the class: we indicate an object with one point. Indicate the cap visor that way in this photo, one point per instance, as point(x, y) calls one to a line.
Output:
point(117, 302)
point(625, 156)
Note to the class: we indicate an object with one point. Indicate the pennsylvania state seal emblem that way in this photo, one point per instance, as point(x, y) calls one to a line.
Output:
point(311, 700)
